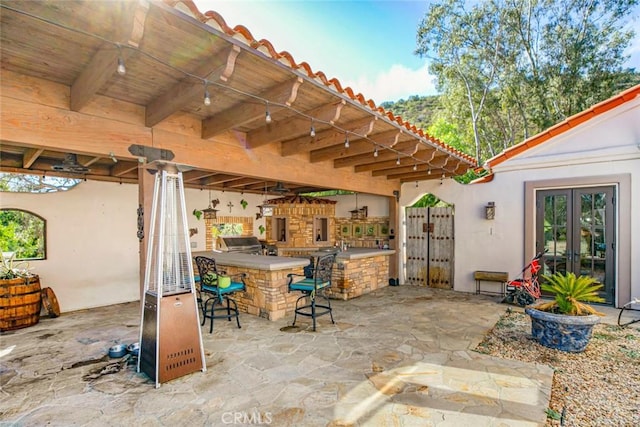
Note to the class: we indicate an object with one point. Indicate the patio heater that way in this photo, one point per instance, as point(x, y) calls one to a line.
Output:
point(170, 336)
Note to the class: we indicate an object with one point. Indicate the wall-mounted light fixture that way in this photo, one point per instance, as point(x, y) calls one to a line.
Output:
point(490, 210)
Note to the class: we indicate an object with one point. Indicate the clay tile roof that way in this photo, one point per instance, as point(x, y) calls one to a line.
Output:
point(565, 125)
point(214, 19)
point(303, 200)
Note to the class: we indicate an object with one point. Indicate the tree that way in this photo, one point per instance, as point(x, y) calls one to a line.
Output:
point(508, 69)
point(24, 183)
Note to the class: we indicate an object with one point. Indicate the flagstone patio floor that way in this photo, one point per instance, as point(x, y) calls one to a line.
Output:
point(401, 356)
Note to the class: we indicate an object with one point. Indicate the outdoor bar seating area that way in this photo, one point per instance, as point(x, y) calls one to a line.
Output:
point(357, 272)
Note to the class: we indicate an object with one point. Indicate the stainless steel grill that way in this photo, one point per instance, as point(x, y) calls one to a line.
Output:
point(244, 245)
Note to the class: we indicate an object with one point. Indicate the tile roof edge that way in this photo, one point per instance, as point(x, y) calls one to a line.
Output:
point(565, 125)
point(319, 75)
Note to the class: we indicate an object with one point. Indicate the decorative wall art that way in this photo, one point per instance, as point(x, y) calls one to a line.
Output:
point(370, 230)
point(345, 230)
point(357, 230)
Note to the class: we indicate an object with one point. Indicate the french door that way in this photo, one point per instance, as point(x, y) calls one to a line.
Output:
point(577, 228)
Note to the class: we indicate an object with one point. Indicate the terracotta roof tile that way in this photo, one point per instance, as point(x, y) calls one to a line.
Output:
point(565, 125)
point(217, 21)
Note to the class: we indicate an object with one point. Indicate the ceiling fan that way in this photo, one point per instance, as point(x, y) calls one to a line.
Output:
point(279, 188)
point(70, 164)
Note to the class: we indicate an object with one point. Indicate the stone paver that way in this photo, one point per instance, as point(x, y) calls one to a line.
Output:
point(399, 356)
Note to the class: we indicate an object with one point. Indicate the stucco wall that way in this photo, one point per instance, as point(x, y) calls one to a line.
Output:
point(92, 247)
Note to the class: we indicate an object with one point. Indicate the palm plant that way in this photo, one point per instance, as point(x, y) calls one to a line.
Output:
point(571, 293)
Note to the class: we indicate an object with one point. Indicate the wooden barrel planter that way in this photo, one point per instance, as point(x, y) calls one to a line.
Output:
point(20, 303)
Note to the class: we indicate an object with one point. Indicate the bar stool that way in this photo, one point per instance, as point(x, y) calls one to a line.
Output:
point(312, 288)
point(219, 286)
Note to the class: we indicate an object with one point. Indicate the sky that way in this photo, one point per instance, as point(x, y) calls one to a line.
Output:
point(367, 45)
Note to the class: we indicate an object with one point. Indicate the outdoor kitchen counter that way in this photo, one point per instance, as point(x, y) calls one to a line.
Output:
point(360, 271)
point(259, 262)
point(267, 294)
point(357, 271)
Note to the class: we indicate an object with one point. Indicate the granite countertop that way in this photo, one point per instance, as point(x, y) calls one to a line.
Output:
point(258, 262)
point(356, 253)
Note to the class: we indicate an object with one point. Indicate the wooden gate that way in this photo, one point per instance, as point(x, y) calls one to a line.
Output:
point(430, 247)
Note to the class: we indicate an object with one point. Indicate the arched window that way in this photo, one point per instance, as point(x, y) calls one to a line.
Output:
point(24, 233)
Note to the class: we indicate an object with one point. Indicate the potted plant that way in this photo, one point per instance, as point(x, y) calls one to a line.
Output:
point(20, 293)
point(566, 322)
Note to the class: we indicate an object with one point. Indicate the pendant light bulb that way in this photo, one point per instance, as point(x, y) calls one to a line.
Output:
point(346, 141)
point(267, 115)
point(207, 97)
point(312, 132)
point(398, 161)
point(415, 167)
point(429, 172)
point(122, 70)
point(375, 152)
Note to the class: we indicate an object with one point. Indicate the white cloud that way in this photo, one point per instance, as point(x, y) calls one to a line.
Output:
point(397, 82)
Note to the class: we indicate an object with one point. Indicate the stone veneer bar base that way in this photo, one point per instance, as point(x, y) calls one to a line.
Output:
point(355, 277)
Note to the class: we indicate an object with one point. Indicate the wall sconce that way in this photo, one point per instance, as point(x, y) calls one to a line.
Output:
point(490, 210)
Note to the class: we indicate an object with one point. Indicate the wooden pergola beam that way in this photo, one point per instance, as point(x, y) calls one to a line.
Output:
point(359, 146)
point(241, 113)
point(105, 62)
point(295, 126)
point(185, 91)
point(357, 129)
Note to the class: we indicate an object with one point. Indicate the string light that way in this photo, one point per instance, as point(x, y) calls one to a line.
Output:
point(267, 115)
point(346, 140)
point(121, 70)
point(429, 171)
point(415, 167)
point(398, 161)
point(207, 97)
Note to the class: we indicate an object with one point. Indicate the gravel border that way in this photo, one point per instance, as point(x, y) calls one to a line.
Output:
point(598, 387)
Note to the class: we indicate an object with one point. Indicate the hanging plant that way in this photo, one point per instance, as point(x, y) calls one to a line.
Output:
point(261, 228)
point(197, 214)
point(244, 203)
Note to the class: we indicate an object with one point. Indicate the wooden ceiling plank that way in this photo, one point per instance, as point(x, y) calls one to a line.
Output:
point(402, 168)
point(219, 179)
point(87, 160)
point(30, 155)
point(241, 113)
point(122, 168)
point(185, 91)
point(367, 167)
point(196, 175)
point(357, 129)
point(336, 151)
point(295, 126)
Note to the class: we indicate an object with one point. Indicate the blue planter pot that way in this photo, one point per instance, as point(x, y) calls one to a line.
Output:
point(560, 331)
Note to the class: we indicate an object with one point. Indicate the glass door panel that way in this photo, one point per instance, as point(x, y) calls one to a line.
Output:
point(576, 227)
point(593, 254)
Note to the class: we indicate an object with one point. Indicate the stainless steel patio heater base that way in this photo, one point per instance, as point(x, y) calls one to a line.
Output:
point(178, 341)
point(170, 336)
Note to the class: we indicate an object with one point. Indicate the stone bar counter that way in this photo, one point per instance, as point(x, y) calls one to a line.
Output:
point(357, 271)
point(267, 294)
